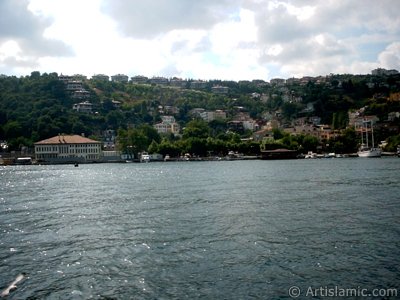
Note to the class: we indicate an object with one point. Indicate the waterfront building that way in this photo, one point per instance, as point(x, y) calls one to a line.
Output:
point(68, 149)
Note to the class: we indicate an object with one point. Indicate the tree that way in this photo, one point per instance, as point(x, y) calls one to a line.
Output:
point(153, 147)
point(196, 129)
point(150, 132)
point(277, 133)
point(290, 110)
point(166, 147)
point(196, 146)
point(309, 143)
point(132, 140)
point(12, 129)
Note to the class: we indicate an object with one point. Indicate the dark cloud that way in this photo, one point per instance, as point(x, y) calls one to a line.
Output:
point(146, 19)
point(16, 21)
point(19, 24)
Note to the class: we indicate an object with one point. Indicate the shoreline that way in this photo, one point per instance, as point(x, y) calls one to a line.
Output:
point(12, 162)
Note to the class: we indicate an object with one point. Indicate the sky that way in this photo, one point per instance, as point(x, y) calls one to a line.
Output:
point(202, 39)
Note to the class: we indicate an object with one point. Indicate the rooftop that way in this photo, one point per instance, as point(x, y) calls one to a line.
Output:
point(66, 139)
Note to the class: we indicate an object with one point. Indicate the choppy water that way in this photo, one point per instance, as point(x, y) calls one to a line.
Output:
point(199, 230)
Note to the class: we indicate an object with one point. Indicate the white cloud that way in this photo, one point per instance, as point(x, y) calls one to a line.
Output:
point(239, 39)
point(390, 57)
point(9, 49)
point(302, 13)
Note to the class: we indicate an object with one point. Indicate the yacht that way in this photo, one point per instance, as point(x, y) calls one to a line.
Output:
point(367, 150)
point(145, 157)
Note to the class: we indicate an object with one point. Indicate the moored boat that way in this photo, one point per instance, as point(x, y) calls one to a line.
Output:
point(145, 157)
point(367, 150)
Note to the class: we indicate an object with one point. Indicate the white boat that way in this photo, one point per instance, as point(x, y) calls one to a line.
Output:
point(145, 157)
point(367, 150)
point(311, 154)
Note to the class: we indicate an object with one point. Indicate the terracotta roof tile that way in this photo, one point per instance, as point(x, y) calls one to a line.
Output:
point(66, 139)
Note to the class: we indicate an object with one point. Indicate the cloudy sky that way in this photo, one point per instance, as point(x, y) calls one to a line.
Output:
point(202, 39)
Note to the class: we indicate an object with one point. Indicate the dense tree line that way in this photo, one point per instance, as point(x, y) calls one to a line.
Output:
point(197, 140)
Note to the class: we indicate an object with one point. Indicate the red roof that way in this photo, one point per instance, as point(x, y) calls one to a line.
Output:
point(66, 139)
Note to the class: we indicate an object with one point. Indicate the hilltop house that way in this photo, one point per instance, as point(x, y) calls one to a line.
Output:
point(209, 116)
point(168, 125)
point(101, 77)
point(68, 149)
point(120, 78)
point(83, 107)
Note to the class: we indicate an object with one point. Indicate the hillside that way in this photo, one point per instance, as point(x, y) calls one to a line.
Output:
point(39, 106)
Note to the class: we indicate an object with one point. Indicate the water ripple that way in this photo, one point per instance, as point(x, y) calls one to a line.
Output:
point(229, 230)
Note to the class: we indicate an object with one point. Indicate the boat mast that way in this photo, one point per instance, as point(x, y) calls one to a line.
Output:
point(372, 134)
point(362, 135)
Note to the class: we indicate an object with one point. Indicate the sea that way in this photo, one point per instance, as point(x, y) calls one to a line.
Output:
point(202, 230)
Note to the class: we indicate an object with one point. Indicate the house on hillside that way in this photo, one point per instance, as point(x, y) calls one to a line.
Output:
point(218, 89)
point(139, 79)
point(209, 116)
point(83, 107)
point(101, 77)
point(120, 78)
point(168, 125)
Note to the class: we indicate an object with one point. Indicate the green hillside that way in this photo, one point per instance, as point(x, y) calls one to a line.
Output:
point(39, 106)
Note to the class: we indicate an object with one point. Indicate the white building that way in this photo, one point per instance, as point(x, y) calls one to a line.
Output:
point(167, 128)
point(139, 79)
point(74, 85)
point(80, 94)
point(198, 84)
point(168, 119)
point(159, 80)
point(101, 77)
point(83, 107)
point(168, 125)
point(209, 116)
point(381, 71)
point(120, 78)
point(178, 82)
point(68, 149)
point(218, 89)
point(277, 81)
point(251, 125)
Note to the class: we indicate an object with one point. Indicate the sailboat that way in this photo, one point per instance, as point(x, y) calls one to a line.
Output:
point(366, 150)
